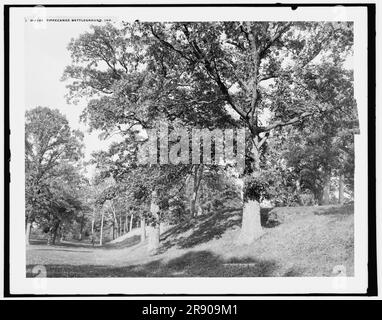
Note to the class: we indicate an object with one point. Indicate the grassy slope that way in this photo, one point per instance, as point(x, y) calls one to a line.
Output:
point(309, 241)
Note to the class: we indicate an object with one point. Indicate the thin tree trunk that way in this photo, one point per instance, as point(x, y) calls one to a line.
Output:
point(326, 192)
point(298, 190)
point(341, 189)
point(198, 171)
point(52, 235)
point(81, 227)
point(118, 227)
point(194, 192)
point(55, 234)
point(200, 203)
point(93, 221)
point(115, 220)
point(62, 234)
point(113, 230)
point(154, 235)
point(143, 229)
point(251, 222)
point(131, 221)
point(51, 238)
point(28, 233)
point(154, 231)
point(101, 233)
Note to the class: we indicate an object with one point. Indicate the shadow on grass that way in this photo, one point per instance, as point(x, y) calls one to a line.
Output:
point(266, 218)
point(191, 264)
point(345, 210)
point(201, 229)
point(59, 249)
point(62, 244)
point(129, 242)
point(207, 227)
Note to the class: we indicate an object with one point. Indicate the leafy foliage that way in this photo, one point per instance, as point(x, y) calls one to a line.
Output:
point(53, 179)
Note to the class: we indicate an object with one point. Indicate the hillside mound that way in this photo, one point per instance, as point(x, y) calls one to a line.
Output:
point(297, 242)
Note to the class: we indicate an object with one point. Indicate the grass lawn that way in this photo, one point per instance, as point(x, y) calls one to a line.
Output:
point(304, 241)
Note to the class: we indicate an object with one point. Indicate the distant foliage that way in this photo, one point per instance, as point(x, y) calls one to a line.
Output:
point(52, 170)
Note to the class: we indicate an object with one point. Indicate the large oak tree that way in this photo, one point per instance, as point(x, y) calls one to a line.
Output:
point(52, 151)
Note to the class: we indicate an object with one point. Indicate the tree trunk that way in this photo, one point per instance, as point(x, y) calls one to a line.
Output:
point(81, 227)
point(194, 193)
point(115, 220)
point(113, 230)
point(51, 238)
point(192, 204)
point(154, 235)
point(93, 221)
point(131, 222)
point(251, 222)
point(298, 191)
point(52, 235)
point(341, 188)
point(154, 231)
point(101, 233)
point(196, 184)
point(28, 233)
point(143, 229)
point(326, 192)
point(200, 209)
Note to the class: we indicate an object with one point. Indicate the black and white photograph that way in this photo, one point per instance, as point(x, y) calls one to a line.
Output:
point(188, 150)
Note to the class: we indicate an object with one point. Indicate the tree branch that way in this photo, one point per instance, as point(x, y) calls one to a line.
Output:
point(280, 124)
point(168, 45)
point(232, 69)
point(263, 140)
point(213, 72)
point(273, 39)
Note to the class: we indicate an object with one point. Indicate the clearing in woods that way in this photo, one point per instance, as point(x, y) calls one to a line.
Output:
point(297, 242)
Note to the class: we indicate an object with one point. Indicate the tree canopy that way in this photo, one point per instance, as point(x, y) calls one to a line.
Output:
point(285, 83)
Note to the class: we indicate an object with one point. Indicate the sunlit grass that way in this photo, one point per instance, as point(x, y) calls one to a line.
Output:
point(309, 241)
